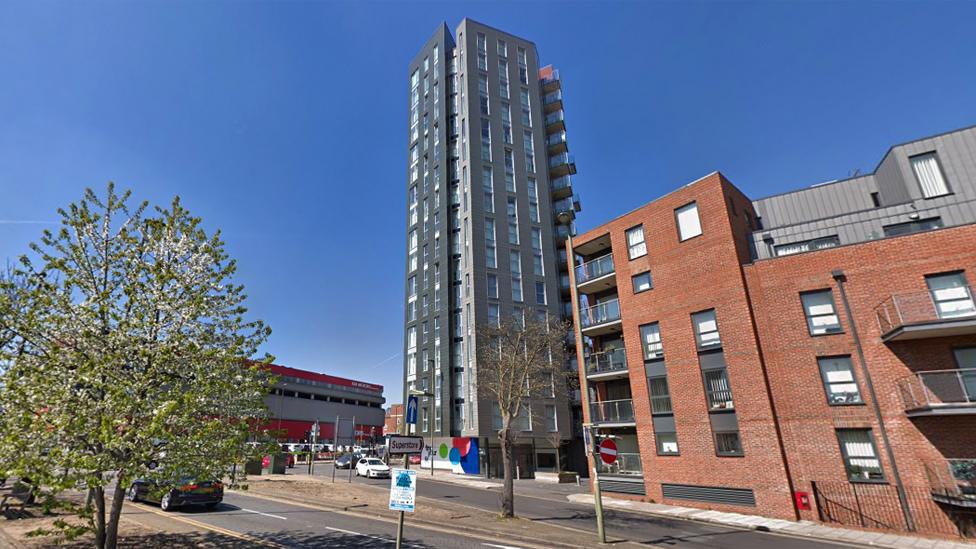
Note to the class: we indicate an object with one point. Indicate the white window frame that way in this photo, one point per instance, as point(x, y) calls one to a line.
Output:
point(688, 221)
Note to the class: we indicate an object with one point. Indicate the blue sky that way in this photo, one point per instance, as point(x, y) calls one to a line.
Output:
point(284, 124)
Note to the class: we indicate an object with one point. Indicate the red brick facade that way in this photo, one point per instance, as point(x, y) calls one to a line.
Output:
point(786, 426)
point(394, 419)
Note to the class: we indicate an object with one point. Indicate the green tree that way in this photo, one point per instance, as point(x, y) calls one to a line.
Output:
point(519, 362)
point(124, 347)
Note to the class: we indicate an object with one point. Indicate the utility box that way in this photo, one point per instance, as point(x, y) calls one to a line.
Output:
point(275, 463)
point(253, 467)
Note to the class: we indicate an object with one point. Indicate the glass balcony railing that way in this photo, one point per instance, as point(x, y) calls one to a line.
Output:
point(561, 159)
point(627, 463)
point(612, 411)
point(613, 360)
point(554, 97)
point(931, 307)
point(552, 78)
point(555, 118)
point(601, 313)
point(939, 389)
point(564, 183)
point(557, 138)
point(594, 268)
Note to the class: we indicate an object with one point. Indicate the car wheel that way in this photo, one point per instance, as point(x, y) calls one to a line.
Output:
point(166, 504)
point(132, 494)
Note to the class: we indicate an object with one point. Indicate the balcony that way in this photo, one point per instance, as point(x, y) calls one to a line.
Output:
point(939, 392)
point(612, 412)
point(555, 122)
point(562, 164)
point(552, 101)
point(927, 314)
point(602, 318)
point(627, 464)
point(607, 365)
point(953, 482)
point(569, 205)
point(557, 143)
point(550, 83)
point(596, 275)
point(561, 187)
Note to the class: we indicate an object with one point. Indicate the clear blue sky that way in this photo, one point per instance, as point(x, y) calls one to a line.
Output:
point(285, 124)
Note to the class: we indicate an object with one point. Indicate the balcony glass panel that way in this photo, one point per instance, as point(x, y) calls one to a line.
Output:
point(612, 411)
point(944, 301)
point(595, 268)
point(613, 360)
point(939, 389)
point(601, 313)
point(560, 159)
point(627, 464)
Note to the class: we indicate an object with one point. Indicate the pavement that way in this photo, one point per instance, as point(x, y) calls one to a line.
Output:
point(551, 504)
point(806, 529)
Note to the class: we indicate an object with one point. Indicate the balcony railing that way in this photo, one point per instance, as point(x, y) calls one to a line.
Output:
point(561, 159)
point(553, 97)
point(557, 138)
point(554, 118)
point(627, 463)
point(561, 186)
point(915, 310)
point(549, 80)
point(601, 313)
point(612, 411)
point(939, 391)
point(594, 268)
point(613, 360)
point(953, 481)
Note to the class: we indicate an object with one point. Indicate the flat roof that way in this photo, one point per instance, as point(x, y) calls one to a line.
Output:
point(316, 376)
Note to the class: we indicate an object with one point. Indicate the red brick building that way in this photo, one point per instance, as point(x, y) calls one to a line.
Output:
point(809, 355)
point(394, 419)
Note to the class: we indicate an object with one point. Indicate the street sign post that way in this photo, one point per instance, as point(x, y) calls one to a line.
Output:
point(403, 495)
point(412, 405)
point(399, 445)
point(608, 451)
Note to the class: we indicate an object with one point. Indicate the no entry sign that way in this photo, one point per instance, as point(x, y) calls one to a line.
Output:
point(608, 451)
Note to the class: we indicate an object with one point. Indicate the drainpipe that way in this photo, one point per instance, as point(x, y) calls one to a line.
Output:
point(841, 279)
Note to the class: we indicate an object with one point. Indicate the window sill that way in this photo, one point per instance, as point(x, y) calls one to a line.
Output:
point(674, 454)
point(683, 240)
point(742, 455)
point(845, 404)
point(938, 196)
point(867, 481)
point(839, 332)
point(642, 291)
point(636, 256)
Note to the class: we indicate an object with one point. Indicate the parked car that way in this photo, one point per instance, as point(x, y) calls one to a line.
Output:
point(169, 496)
point(346, 461)
point(415, 459)
point(372, 468)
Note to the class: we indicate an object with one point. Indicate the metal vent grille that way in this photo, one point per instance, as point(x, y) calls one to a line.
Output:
point(709, 494)
point(623, 486)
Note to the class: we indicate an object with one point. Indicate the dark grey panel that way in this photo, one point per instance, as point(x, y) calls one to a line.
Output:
point(655, 368)
point(712, 361)
point(710, 494)
point(664, 424)
point(623, 486)
point(723, 421)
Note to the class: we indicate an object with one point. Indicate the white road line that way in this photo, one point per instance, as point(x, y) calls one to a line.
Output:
point(350, 532)
point(501, 546)
point(264, 514)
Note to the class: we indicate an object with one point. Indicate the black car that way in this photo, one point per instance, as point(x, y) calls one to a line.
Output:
point(347, 461)
point(184, 492)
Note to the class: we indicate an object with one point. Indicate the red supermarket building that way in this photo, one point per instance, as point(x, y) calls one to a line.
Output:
point(301, 397)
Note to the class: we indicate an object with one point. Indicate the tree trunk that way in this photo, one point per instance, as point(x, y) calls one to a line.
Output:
point(559, 463)
point(112, 532)
point(507, 495)
point(99, 517)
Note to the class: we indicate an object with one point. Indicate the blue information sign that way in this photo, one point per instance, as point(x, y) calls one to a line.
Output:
point(412, 406)
point(403, 490)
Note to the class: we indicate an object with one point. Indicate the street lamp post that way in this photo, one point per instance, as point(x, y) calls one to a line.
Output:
point(430, 419)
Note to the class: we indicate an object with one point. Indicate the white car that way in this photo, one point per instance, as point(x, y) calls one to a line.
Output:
point(372, 468)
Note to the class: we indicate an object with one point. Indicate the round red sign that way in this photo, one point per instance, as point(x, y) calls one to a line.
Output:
point(608, 451)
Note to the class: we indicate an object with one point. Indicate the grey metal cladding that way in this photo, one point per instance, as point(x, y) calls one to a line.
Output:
point(845, 209)
point(709, 494)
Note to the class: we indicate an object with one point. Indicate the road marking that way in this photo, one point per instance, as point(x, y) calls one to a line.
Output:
point(350, 532)
point(501, 546)
point(264, 514)
point(211, 527)
point(343, 531)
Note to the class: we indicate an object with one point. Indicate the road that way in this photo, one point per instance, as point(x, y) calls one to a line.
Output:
point(548, 503)
point(256, 521)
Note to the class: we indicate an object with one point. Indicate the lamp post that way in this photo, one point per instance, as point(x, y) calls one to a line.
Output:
point(430, 419)
point(565, 217)
point(281, 402)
